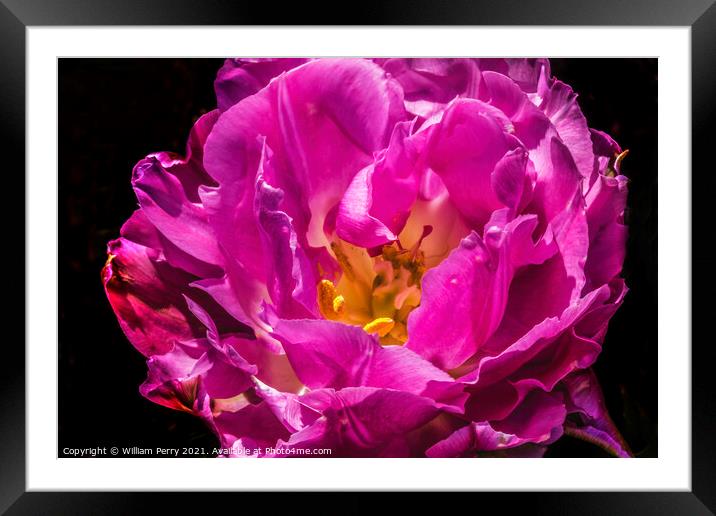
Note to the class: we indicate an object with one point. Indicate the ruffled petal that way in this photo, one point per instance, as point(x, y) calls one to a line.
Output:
point(164, 202)
point(362, 421)
point(481, 439)
point(464, 150)
point(140, 230)
point(559, 102)
point(174, 377)
point(237, 293)
point(559, 182)
point(605, 150)
point(513, 179)
point(459, 291)
point(464, 297)
point(190, 169)
point(538, 419)
point(239, 78)
point(593, 423)
point(431, 83)
point(146, 295)
point(541, 359)
point(167, 187)
point(527, 122)
point(525, 72)
point(378, 201)
point(274, 369)
point(323, 121)
point(606, 202)
point(218, 340)
point(331, 354)
point(288, 407)
point(290, 280)
point(558, 199)
point(503, 363)
point(254, 424)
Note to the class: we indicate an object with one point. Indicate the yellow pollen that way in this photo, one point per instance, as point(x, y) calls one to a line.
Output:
point(329, 302)
point(339, 304)
point(382, 326)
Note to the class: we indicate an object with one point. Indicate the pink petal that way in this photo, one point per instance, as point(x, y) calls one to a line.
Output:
point(472, 439)
point(464, 297)
point(464, 149)
point(291, 280)
point(190, 169)
point(146, 295)
point(239, 78)
point(332, 354)
point(537, 419)
point(606, 202)
point(378, 201)
point(362, 421)
point(323, 122)
point(559, 103)
point(585, 398)
point(162, 199)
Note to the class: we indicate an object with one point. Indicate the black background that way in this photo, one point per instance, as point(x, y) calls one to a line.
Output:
point(113, 112)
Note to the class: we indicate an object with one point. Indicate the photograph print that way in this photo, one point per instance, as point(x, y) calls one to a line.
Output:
point(357, 257)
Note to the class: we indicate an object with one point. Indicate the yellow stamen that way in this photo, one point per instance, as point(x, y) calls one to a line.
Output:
point(620, 157)
point(339, 304)
point(382, 326)
point(613, 168)
point(376, 293)
point(330, 303)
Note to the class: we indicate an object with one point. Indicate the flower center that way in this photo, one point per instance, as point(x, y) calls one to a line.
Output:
point(376, 292)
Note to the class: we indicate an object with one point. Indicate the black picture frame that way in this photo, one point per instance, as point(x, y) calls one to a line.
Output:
point(700, 15)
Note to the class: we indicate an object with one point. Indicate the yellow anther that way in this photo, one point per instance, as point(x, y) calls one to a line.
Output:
point(328, 300)
point(620, 157)
point(612, 170)
point(381, 326)
point(339, 304)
